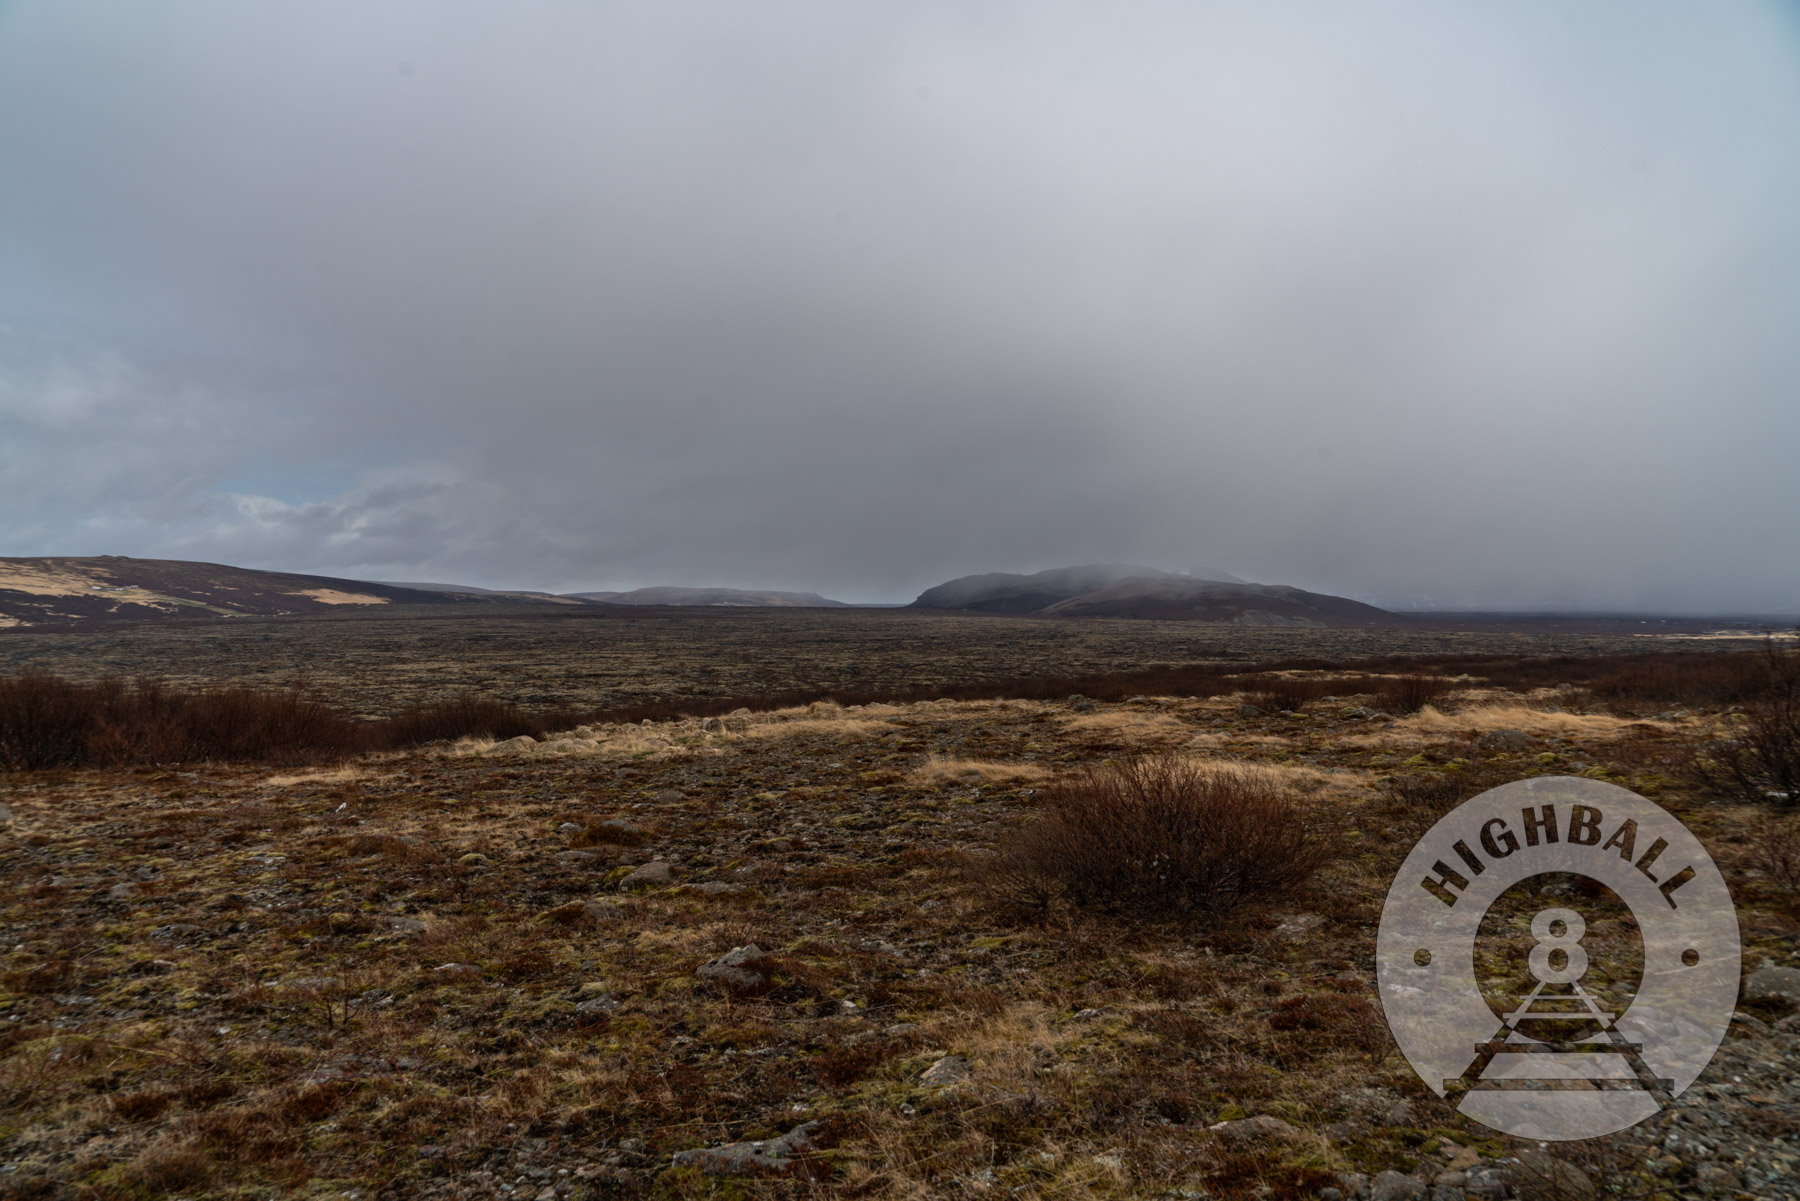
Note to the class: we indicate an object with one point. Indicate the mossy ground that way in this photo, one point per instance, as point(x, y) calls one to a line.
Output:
point(222, 982)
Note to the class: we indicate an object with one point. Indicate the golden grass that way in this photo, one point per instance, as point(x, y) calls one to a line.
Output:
point(1129, 726)
point(327, 775)
point(940, 771)
point(1503, 715)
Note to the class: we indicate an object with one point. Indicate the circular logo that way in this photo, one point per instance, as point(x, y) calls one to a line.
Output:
point(1558, 958)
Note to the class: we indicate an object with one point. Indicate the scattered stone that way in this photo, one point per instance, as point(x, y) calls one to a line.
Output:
point(1772, 981)
point(1247, 1130)
point(655, 874)
point(1249, 711)
point(1081, 704)
point(569, 828)
point(1540, 1176)
point(777, 1157)
point(174, 931)
point(576, 857)
point(670, 796)
point(951, 1069)
point(716, 888)
point(456, 971)
point(1508, 741)
point(1298, 927)
point(523, 742)
point(122, 892)
point(6, 817)
point(603, 1003)
point(1396, 1186)
point(1086, 1015)
point(1401, 1114)
point(736, 968)
point(602, 911)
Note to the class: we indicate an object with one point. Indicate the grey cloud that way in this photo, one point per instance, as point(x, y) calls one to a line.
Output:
point(1473, 306)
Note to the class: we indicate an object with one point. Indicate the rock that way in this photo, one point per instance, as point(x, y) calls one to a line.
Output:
point(1401, 1114)
point(600, 1004)
point(174, 931)
point(122, 892)
point(1249, 1130)
point(776, 1157)
point(717, 888)
point(655, 874)
point(1508, 741)
point(1249, 711)
point(1298, 927)
point(1395, 1186)
point(1540, 1176)
point(1081, 704)
point(712, 725)
point(405, 925)
point(1772, 981)
point(6, 817)
point(456, 971)
point(1355, 1184)
point(569, 828)
point(737, 967)
point(951, 1069)
point(523, 743)
point(669, 796)
point(602, 911)
point(576, 857)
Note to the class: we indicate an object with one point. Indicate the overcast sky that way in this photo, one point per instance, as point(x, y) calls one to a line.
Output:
point(1484, 304)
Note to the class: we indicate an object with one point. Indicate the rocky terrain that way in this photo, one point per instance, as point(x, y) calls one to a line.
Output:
point(748, 956)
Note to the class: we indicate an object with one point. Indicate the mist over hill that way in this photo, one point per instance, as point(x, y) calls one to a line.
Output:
point(1120, 590)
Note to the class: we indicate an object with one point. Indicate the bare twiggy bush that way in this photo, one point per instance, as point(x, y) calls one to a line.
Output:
point(1158, 837)
point(1287, 692)
point(1759, 759)
point(1409, 694)
point(1777, 840)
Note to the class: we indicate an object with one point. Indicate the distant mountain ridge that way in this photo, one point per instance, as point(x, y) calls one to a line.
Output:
point(714, 597)
point(64, 591)
point(1145, 593)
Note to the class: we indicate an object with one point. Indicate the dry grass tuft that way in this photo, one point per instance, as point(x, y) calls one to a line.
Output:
point(941, 771)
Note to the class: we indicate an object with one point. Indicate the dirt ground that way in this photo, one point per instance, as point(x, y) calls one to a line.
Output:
point(435, 974)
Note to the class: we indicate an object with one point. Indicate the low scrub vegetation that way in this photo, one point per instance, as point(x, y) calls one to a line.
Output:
point(1759, 761)
point(47, 722)
point(1158, 837)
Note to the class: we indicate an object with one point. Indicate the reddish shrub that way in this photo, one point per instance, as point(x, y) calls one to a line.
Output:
point(1158, 837)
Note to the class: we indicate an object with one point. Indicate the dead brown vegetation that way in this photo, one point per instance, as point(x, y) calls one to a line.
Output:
point(1160, 836)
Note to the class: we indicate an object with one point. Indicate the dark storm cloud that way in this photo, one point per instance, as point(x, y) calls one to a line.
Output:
point(1447, 305)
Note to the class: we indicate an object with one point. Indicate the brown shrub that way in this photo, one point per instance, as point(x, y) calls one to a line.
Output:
point(1157, 837)
point(1409, 694)
point(1760, 761)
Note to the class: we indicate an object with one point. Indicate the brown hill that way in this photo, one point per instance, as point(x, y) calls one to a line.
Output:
point(68, 591)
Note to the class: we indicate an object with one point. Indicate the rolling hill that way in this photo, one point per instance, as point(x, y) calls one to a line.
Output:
point(714, 597)
point(1117, 590)
point(67, 591)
